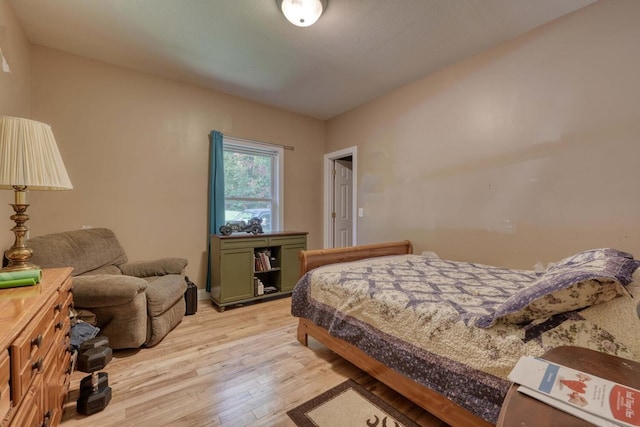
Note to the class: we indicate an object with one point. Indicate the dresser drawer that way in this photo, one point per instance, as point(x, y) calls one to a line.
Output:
point(5, 374)
point(29, 413)
point(64, 302)
point(28, 351)
point(66, 367)
point(254, 242)
point(62, 341)
point(52, 400)
point(62, 320)
point(288, 240)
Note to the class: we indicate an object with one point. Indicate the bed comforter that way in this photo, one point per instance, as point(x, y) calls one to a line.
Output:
point(418, 315)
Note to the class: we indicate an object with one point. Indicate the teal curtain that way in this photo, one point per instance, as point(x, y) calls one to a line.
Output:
point(216, 184)
point(216, 193)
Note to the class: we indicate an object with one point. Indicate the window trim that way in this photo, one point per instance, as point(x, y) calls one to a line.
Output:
point(277, 221)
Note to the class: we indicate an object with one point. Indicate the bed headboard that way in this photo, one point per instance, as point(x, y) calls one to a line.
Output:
point(318, 257)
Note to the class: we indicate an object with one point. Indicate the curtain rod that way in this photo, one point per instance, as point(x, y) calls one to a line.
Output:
point(286, 147)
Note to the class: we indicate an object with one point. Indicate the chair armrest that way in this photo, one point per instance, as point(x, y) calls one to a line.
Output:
point(106, 290)
point(159, 267)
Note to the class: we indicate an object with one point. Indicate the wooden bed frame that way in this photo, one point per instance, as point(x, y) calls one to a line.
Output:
point(431, 401)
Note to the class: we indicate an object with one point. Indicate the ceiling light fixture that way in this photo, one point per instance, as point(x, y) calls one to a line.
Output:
point(302, 13)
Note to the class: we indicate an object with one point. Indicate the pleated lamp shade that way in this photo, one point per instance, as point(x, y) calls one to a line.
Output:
point(29, 160)
point(29, 156)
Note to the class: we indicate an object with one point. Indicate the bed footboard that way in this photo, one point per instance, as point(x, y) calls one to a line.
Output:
point(429, 400)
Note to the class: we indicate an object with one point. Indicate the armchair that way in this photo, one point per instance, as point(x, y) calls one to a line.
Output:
point(135, 303)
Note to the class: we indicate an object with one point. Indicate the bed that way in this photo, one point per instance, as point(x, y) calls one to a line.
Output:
point(445, 334)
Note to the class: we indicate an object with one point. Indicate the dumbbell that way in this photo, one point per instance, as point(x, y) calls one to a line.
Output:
point(95, 394)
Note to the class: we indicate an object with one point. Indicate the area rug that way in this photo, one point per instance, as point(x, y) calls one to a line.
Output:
point(347, 405)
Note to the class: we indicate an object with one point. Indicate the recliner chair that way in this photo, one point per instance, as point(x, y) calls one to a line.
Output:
point(135, 303)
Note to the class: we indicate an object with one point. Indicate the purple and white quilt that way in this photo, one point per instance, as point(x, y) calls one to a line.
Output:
point(454, 327)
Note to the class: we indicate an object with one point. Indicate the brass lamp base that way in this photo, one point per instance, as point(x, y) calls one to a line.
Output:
point(18, 255)
point(19, 267)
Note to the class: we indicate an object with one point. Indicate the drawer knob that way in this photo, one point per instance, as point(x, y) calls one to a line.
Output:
point(57, 307)
point(37, 341)
point(38, 365)
point(59, 325)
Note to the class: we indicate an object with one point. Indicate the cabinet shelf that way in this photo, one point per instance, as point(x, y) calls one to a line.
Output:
point(266, 271)
point(237, 261)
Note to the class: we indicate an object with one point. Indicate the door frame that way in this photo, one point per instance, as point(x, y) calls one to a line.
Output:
point(328, 192)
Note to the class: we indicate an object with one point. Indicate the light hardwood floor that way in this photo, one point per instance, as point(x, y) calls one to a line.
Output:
point(240, 367)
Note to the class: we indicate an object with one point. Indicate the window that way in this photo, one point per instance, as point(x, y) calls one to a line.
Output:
point(253, 182)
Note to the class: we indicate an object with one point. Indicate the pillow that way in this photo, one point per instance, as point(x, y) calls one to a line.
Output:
point(565, 286)
point(591, 254)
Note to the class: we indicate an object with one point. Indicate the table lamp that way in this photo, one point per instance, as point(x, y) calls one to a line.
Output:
point(29, 160)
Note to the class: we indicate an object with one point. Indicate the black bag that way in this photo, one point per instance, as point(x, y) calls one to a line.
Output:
point(191, 297)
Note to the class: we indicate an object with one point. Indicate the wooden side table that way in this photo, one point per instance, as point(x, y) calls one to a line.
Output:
point(524, 411)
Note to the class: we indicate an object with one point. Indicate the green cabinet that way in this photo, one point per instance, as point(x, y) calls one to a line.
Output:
point(248, 267)
point(290, 264)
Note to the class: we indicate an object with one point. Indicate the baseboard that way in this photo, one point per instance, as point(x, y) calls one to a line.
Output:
point(203, 295)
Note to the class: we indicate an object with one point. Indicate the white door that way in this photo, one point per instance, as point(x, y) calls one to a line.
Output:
point(331, 195)
point(342, 203)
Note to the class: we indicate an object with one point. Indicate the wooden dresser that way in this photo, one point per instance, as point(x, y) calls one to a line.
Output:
point(35, 361)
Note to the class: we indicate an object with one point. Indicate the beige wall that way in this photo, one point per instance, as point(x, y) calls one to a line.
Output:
point(15, 65)
point(136, 148)
point(524, 153)
point(15, 94)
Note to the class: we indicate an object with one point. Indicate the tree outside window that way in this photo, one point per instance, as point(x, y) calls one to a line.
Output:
point(252, 180)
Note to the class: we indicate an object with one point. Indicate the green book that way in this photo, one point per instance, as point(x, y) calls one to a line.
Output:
point(12, 279)
point(17, 282)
